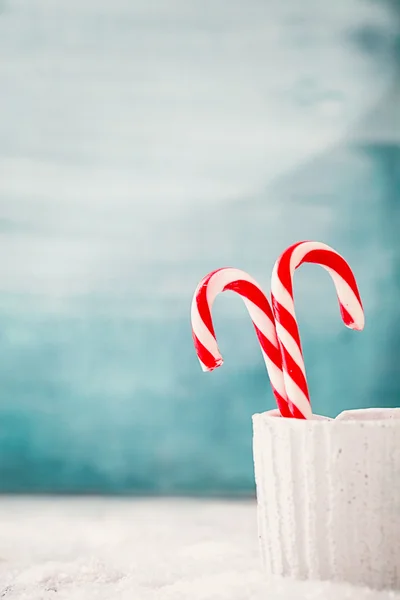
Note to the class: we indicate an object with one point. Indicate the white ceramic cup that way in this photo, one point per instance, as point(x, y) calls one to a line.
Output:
point(328, 494)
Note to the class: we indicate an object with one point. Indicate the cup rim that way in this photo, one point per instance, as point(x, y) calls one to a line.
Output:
point(345, 419)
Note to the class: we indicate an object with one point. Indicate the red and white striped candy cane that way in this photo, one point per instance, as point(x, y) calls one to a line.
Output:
point(285, 317)
point(229, 279)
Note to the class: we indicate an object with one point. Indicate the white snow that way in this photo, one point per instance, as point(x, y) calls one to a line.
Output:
point(164, 549)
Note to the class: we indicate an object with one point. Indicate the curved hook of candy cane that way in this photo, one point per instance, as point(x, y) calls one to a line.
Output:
point(205, 342)
point(285, 317)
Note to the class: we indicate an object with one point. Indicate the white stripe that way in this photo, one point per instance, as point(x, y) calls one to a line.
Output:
point(345, 294)
point(280, 293)
point(215, 286)
point(296, 396)
point(203, 366)
point(222, 278)
point(303, 249)
point(348, 298)
point(291, 346)
point(202, 333)
point(275, 375)
point(262, 321)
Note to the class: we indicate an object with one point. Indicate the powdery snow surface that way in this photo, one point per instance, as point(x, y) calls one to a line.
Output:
point(95, 549)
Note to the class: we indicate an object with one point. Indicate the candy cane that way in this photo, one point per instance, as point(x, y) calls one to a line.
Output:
point(285, 318)
point(260, 312)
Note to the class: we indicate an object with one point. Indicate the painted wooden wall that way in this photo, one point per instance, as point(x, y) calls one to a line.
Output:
point(144, 144)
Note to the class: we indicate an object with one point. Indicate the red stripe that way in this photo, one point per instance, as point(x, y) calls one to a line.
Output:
point(295, 412)
point(273, 353)
point(240, 286)
point(346, 316)
point(288, 322)
point(275, 356)
point(293, 369)
point(204, 355)
point(253, 293)
point(286, 319)
point(323, 257)
point(331, 259)
point(202, 303)
point(282, 404)
point(283, 270)
point(295, 372)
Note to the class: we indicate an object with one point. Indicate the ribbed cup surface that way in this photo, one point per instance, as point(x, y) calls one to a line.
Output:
point(328, 496)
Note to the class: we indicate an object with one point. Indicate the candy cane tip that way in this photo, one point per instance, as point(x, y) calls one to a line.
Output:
point(356, 326)
point(208, 368)
point(355, 321)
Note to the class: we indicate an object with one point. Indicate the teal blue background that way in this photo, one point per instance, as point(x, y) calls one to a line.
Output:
point(143, 146)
